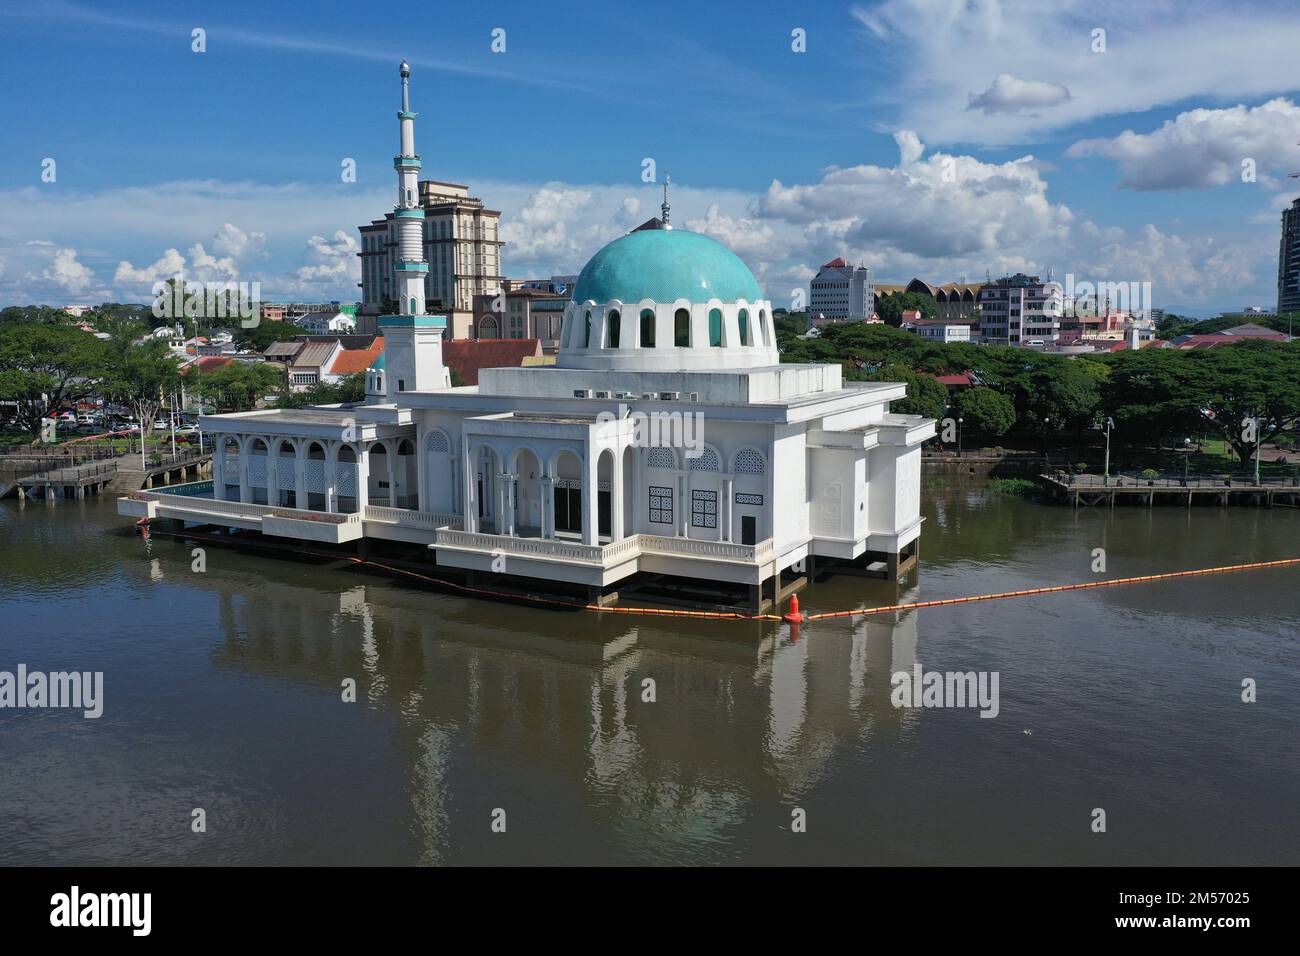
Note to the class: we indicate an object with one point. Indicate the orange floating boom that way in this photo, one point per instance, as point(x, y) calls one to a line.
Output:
point(143, 524)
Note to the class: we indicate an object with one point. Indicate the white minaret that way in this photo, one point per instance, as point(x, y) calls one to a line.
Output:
point(412, 361)
point(410, 267)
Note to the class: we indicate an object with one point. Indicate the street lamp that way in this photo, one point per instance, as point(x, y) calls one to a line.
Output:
point(1105, 478)
point(1259, 446)
point(1047, 424)
point(1187, 457)
point(959, 421)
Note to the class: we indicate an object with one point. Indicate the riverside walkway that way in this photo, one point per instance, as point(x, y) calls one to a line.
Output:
point(1092, 490)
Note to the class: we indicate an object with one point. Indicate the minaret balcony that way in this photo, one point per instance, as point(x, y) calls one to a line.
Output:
point(412, 267)
point(407, 162)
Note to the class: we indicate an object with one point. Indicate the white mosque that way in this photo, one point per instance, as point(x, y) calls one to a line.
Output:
point(667, 439)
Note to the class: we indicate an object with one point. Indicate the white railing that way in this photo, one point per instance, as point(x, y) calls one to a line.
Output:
point(210, 505)
point(246, 509)
point(604, 554)
point(525, 547)
point(408, 518)
point(723, 550)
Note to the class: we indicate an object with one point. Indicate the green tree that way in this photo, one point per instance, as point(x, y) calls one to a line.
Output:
point(237, 386)
point(349, 390)
point(987, 412)
point(893, 306)
point(18, 314)
point(142, 375)
point(44, 367)
point(1252, 382)
point(926, 395)
point(261, 336)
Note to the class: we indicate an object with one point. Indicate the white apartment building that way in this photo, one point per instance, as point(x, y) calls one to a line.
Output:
point(841, 293)
point(938, 330)
point(1021, 309)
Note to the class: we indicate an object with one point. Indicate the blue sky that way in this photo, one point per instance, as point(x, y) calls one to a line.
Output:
point(923, 137)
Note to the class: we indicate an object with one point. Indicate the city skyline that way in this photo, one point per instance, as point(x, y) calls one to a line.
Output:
point(1123, 165)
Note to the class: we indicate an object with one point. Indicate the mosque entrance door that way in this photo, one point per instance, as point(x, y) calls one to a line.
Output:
point(568, 506)
point(602, 509)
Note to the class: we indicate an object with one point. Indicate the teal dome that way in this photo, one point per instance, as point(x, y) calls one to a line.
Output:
point(664, 265)
point(379, 363)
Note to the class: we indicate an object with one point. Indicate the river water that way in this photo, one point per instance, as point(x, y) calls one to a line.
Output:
point(223, 692)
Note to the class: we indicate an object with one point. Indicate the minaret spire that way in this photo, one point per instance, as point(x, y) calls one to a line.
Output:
point(409, 265)
point(664, 207)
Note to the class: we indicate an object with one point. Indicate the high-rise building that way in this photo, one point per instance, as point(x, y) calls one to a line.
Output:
point(1288, 261)
point(1020, 310)
point(455, 235)
point(840, 293)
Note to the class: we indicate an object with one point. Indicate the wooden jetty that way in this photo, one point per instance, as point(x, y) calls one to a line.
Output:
point(1093, 490)
point(113, 476)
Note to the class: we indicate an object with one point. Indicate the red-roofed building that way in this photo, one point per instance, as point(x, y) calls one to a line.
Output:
point(1250, 332)
point(466, 357)
point(207, 363)
point(351, 361)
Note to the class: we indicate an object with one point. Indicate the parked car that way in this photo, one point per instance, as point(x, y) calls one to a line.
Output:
point(186, 430)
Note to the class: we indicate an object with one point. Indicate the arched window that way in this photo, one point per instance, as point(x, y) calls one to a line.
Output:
point(706, 461)
point(660, 456)
point(715, 327)
point(750, 462)
point(615, 327)
point(586, 342)
point(682, 329)
point(744, 327)
point(647, 328)
point(437, 443)
point(412, 305)
point(762, 326)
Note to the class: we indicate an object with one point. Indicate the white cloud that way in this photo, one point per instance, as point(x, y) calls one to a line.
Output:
point(1156, 54)
point(1010, 94)
point(332, 265)
point(939, 216)
point(40, 271)
point(941, 207)
point(1205, 147)
point(544, 225)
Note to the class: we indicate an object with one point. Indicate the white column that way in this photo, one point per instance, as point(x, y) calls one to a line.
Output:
point(470, 496)
point(363, 477)
point(332, 476)
point(590, 495)
point(219, 468)
point(422, 474)
point(548, 506)
point(509, 490)
point(300, 494)
point(456, 478)
point(724, 510)
point(684, 505)
point(616, 499)
point(244, 494)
